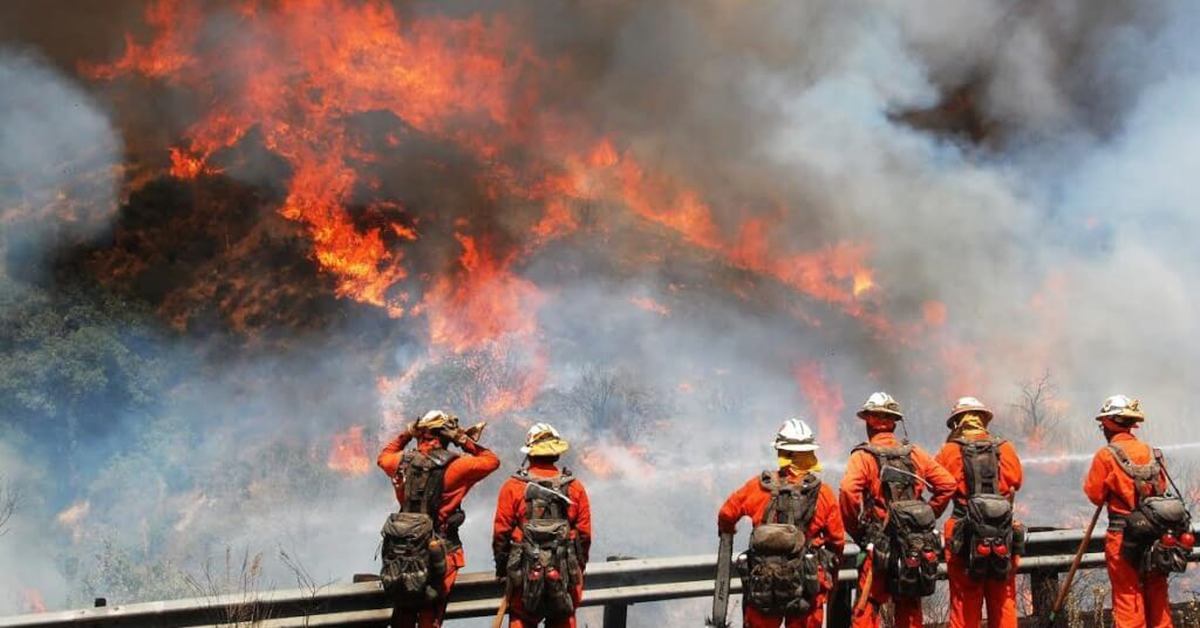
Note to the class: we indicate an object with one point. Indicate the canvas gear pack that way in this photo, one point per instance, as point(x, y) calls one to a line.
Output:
point(985, 534)
point(415, 542)
point(1157, 534)
point(907, 548)
point(782, 569)
point(544, 566)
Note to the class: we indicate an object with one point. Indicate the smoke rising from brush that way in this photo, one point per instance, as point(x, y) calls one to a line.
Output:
point(766, 204)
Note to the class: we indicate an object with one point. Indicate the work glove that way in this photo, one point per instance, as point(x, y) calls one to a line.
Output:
point(475, 431)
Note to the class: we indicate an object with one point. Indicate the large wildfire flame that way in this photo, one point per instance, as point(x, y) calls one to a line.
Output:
point(301, 77)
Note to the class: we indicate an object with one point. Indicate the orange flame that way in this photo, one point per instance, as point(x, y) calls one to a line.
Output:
point(650, 305)
point(482, 304)
point(33, 601)
point(824, 400)
point(316, 64)
point(348, 455)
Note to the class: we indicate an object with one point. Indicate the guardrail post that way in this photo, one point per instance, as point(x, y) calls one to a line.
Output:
point(838, 613)
point(1043, 585)
point(616, 614)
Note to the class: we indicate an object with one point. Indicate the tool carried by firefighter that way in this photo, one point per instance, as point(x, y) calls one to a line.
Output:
point(864, 593)
point(782, 569)
point(986, 535)
point(907, 547)
point(1157, 534)
point(1061, 598)
point(544, 566)
point(720, 609)
point(415, 542)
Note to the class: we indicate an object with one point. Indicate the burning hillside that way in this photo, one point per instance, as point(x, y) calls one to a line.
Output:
point(666, 227)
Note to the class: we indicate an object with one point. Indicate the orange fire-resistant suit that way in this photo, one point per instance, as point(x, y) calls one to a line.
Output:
point(825, 529)
point(1138, 602)
point(967, 595)
point(862, 475)
point(461, 474)
point(506, 531)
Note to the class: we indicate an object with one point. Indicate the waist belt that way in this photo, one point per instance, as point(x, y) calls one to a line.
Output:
point(1116, 522)
point(960, 511)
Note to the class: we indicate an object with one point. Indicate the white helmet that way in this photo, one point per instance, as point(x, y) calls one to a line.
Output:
point(795, 435)
point(543, 440)
point(881, 403)
point(1121, 407)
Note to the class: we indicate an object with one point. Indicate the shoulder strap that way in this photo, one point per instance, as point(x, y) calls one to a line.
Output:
point(424, 475)
point(793, 504)
point(981, 465)
point(546, 498)
point(1145, 476)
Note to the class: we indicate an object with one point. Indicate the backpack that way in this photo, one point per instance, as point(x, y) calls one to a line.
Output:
point(782, 569)
point(907, 547)
point(544, 566)
point(985, 535)
point(1157, 534)
point(415, 543)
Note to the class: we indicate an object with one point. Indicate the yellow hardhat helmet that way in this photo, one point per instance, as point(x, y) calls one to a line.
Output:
point(543, 440)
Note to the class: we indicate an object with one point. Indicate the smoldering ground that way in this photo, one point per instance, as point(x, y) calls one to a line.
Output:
point(1042, 225)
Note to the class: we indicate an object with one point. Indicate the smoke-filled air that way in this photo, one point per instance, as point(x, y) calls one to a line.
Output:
point(244, 244)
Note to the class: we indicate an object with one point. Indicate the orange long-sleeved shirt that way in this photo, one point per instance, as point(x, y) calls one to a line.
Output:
point(510, 511)
point(1011, 476)
point(1107, 483)
point(462, 473)
point(752, 500)
point(862, 475)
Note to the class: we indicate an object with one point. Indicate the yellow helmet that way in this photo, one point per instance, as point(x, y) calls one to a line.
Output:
point(543, 440)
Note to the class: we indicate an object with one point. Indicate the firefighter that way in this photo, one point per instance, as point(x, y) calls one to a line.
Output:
point(434, 433)
point(881, 506)
point(1123, 474)
point(983, 539)
point(541, 535)
point(790, 495)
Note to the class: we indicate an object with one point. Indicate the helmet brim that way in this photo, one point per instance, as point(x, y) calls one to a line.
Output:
point(984, 412)
point(795, 446)
point(550, 447)
point(1132, 415)
point(887, 414)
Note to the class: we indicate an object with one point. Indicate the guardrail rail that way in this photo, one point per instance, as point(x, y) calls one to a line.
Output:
point(615, 585)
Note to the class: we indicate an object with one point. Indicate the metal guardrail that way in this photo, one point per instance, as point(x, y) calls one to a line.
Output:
point(614, 585)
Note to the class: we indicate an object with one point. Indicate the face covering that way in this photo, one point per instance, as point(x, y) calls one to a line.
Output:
point(969, 424)
point(799, 462)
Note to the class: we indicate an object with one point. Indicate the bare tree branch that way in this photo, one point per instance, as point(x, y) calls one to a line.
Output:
point(10, 500)
point(1037, 409)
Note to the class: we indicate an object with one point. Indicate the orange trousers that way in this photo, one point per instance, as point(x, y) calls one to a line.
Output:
point(754, 618)
point(517, 618)
point(968, 595)
point(908, 610)
point(1137, 602)
point(427, 617)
